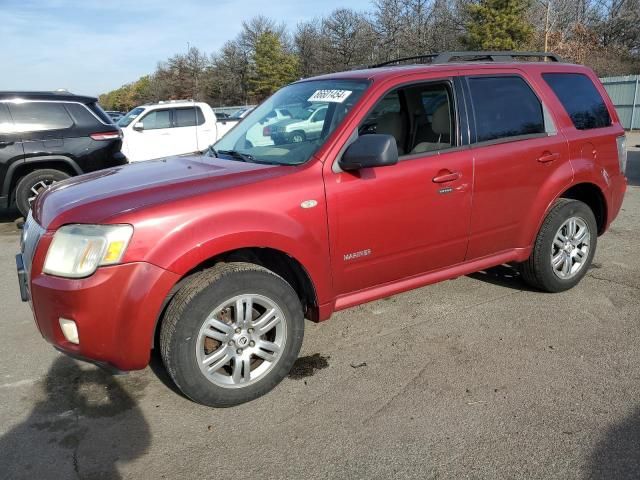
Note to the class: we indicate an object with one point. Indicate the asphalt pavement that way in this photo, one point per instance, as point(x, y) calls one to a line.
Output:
point(478, 377)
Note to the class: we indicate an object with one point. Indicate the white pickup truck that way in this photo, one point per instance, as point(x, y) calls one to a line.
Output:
point(170, 128)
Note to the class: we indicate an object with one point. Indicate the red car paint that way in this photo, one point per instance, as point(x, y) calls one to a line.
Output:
point(186, 211)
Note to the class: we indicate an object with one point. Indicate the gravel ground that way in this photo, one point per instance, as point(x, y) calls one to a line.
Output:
point(473, 378)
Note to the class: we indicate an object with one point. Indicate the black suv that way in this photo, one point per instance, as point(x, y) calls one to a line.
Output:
point(46, 137)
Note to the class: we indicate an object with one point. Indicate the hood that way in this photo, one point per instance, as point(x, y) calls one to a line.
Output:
point(97, 196)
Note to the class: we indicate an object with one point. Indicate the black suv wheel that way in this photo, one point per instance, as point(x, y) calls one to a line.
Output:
point(32, 184)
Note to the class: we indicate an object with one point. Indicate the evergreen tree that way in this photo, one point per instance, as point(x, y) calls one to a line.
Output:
point(498, 25)
point(274, 66)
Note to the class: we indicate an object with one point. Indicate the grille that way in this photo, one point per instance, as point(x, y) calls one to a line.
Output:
point(31, 234)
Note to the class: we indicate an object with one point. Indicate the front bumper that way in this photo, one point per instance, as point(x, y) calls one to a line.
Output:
point(115, 311)
point(120, 158)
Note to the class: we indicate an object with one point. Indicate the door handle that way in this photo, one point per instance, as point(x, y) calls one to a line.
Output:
point(446, 176)
point(6, 144)
point(548, 157)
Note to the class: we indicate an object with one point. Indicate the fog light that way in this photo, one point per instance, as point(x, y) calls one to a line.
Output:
point(69, 330)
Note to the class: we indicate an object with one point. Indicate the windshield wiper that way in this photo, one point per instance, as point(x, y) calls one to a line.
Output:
point(245, 157)
point(213, 150)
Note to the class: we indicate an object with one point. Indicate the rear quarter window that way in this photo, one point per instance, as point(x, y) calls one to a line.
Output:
point(504, 107)
point(580, 98)
point(100, 113)
point(82, 116)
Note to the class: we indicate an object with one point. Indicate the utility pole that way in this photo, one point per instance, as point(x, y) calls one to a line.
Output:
point(546, 27)
point(194, 92)
point(635, 99)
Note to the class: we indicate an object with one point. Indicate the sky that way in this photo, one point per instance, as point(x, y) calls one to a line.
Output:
point(93, 46)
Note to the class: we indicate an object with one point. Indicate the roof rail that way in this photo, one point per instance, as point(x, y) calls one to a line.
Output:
point(472, 56)
point(180, 100)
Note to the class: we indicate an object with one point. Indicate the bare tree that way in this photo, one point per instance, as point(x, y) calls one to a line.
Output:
point(255, 27)
point(308, 45)
point(390, 25)
point(348, 40)
point(603, 34)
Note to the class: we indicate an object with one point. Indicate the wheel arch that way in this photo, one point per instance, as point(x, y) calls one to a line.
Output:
point(592, 195)
point(20, 169)
point(275, 260)
point(588, 190)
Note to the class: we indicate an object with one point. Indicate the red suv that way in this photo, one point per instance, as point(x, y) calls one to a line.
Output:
point(413, 174)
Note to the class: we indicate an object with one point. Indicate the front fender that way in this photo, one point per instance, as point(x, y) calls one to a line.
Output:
point(307, 250)
point(182, 235)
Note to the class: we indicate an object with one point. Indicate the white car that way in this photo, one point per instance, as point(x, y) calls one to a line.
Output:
point(170, 128)
point(243, 112)
point(304, 125)
point(259, 135)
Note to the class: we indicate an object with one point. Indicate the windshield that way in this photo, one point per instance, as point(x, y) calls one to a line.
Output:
point(130, 117)
point(290, 126)
point(239, 113)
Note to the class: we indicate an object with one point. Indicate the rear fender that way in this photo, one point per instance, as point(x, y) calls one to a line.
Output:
point(561, 179)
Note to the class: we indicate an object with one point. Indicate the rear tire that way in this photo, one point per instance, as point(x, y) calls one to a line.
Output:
point(34, 183)
point(564, 247)
point(231, 334)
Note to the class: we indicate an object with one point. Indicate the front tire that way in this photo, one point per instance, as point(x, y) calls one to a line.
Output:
point(564, 247)
point(34, 183)
point(231, 334)
point(298, 137)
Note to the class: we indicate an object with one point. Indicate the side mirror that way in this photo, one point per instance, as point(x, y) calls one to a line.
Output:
point(138, 126)
point(375, 150)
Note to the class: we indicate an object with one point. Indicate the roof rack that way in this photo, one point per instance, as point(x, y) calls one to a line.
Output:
point(180, 100)
point(471, 56)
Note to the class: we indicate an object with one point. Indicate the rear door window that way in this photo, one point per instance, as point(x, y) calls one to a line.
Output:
point(157, 119)
point(504, 107)
point(188, 117)
point(39, 116)
point(6, 124)
point(580, 99)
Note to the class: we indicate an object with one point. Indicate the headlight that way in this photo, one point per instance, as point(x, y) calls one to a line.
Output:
point(78, 250)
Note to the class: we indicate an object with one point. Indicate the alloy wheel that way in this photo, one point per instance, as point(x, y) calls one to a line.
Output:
point(241, 341)
point(570, 249)
point(38, 188)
